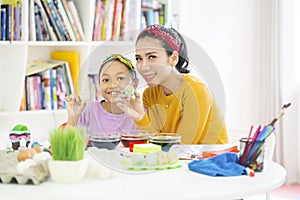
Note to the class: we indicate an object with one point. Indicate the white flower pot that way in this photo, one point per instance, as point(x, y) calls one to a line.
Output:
point(62, 171)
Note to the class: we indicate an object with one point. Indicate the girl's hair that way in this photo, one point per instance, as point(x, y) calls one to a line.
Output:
point(171, 41)
point(122, 59)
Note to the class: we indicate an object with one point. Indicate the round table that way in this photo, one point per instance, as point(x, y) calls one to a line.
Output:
point(170, 184)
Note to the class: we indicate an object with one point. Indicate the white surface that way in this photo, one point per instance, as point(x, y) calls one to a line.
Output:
point(167, 184)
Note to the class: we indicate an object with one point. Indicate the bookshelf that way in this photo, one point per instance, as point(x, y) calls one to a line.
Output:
point(14, 56)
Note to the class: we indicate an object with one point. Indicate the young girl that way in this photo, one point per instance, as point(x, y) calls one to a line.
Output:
point(115, 73)
point(174, 101)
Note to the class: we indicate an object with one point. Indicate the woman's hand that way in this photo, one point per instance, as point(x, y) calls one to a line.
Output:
point(75, 106)
point(132, 106)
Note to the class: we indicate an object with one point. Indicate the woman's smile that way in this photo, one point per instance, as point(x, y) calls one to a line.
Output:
point(149, 77)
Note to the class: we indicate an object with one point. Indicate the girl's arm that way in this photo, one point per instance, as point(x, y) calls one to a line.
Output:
point(75, 106)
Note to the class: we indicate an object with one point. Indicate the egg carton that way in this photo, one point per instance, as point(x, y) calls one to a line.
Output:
point(9, 172)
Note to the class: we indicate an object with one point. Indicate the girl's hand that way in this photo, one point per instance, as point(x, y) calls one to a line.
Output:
point(75, 106)
point(133, 106)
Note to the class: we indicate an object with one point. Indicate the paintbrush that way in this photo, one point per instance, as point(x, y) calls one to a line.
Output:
point(285, 106)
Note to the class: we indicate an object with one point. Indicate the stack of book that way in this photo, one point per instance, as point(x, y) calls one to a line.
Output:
point(10, 26)
point(47, 83)
point(54, 20)
point(115, 19)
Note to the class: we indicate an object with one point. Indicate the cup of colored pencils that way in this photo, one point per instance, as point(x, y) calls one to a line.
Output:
point(252, 148)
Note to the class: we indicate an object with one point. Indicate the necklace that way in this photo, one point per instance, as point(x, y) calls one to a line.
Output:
point(166, 97)
point(160, 113)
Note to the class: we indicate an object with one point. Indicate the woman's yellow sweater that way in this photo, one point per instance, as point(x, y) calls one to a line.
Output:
point(190, 111)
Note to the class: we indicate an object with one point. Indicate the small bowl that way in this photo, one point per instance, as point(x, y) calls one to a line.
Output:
point(109, 142)
point(165, 140)
point(133, 136)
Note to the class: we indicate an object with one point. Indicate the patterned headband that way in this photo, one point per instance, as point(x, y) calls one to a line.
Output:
point(155, 29)
point(120, 58)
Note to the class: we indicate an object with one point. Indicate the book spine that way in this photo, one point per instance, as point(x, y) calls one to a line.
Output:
point(31, 93)
point(17, 25)
point(97, 20)
point(32, 27)
point(68, 78)
point(57, 20)
point(23, 99)
point(109, 19)
point(43, 22)
point(35, 92)
point(72, 21)
point(104, 21)
point(9, 21)
point(116, 20)
point(3, 23)
point(47, 29)
point(61, 90)
point(52, 21)
point(64, 19)
point(46, 89)
point(39, 34)
point(76, 18)
point(28, 100)
point(39, 92)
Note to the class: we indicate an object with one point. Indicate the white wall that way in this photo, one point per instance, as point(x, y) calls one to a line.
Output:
point(227, 31)
point(252, 43)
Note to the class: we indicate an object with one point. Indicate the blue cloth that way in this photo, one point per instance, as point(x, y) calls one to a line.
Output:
point(225, 164)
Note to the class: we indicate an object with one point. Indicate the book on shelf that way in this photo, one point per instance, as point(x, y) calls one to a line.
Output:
point(23, 98)
point(98, 18)
point(72, 57)
point(61, 88)
point(103, 27)
point(33, 93)
point(57, 17)
point(7, 22)
point(3, 23)
point(163, 14)
point(53, 94)
point(64, 71)
point(77, 20)
point(64, 19)
point(109, 19)
point(38, 27)
point(17, 23)
point(153, 12)
point(47, 84)
point(31, 18)
point(47, 31)
point(51, 21)
point(72, 20)
point(115, 20)
point(116, 24)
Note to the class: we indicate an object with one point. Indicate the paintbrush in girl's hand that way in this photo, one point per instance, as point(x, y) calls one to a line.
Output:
point(285, 106)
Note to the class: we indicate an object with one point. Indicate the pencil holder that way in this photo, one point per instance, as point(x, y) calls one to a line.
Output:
point(252, 154)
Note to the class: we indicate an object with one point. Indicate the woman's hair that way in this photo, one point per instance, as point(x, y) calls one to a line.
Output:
point(171, 41)
point(121, 59)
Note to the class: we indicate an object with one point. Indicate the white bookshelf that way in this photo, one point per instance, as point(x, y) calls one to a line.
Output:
point(14, 56)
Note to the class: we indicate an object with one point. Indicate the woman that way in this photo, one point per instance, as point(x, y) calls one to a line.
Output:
point(174, 102)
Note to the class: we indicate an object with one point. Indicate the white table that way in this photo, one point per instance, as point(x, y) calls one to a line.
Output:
point(172, 184)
